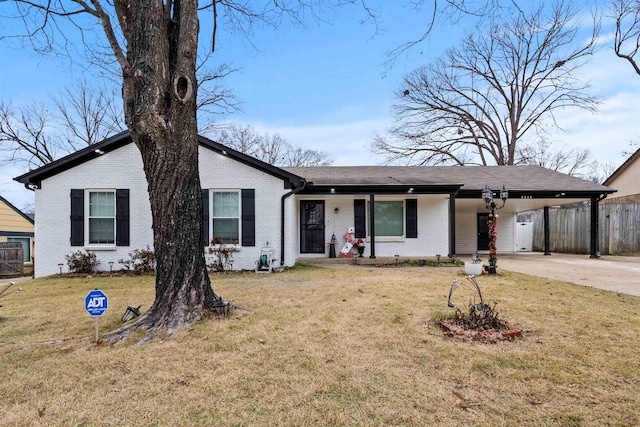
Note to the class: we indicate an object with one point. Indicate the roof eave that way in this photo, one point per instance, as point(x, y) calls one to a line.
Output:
point(33, 179)
point(542, 194)
point(406, 189)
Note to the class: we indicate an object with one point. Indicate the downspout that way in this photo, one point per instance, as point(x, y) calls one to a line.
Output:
point(282, 199)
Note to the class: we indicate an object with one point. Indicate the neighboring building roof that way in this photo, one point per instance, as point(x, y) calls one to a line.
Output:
point(18, 211)
point(635, 156)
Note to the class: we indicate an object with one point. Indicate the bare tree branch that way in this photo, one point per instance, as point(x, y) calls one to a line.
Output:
point(626, 43)
point(88, 114)
point(24, 136)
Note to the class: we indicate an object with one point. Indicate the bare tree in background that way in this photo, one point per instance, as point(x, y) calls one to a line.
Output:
point(626, 43)
point(88, 114)
point(42, 131)
point(476, 104)
point(572, 161)
point(23, 136)
point(243, 139)
point(305, 157)
point(270, 148)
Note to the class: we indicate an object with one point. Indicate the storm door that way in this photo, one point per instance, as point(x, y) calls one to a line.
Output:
point(483, 232)
point(312, 227)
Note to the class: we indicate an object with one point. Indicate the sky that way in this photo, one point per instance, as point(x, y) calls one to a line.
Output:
point(330, 86)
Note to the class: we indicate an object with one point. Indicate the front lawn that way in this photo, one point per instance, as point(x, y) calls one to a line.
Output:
point(320, 346)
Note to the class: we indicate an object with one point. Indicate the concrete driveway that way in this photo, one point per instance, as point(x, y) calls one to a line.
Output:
point(612, 273)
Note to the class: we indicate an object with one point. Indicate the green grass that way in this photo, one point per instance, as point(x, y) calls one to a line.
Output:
point(324, 347)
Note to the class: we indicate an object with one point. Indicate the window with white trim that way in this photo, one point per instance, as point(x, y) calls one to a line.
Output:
point(389, 218)
point(26, 246)
point(102, 217)
point(225, 216)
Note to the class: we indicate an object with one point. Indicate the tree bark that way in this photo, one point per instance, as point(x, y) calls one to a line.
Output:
point(159, 94)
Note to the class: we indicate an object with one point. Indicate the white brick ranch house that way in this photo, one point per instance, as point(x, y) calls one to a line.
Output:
point(96, 200)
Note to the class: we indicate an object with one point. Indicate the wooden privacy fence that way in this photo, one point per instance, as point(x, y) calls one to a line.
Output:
point(570, 228)
point(11, 259)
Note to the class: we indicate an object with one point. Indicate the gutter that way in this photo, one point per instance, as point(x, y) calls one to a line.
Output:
point(282, 199)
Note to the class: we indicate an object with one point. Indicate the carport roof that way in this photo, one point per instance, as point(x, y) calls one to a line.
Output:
point(535, 181)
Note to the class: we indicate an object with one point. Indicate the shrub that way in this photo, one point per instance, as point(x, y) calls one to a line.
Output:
point(222, 255)
point(141, 261)
point(82, 262)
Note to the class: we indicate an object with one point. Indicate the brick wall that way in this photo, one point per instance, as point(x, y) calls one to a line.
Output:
point(122, 168)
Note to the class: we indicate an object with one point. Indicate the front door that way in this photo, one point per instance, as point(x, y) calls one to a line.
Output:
point(312, 226)
point(483, 232)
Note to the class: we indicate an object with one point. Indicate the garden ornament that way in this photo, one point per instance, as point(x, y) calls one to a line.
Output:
point(471, 278)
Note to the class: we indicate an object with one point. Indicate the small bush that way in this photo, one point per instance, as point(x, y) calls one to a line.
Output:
point(82, 262)
point(222, 255)
point(141, 261)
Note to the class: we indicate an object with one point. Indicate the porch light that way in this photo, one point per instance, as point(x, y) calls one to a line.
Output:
point(487, 197)
point(336, 210)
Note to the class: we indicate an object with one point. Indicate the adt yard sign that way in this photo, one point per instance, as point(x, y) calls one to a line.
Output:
point(96, 303)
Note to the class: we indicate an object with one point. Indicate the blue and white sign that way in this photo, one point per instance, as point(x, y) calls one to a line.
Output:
point(96, 303)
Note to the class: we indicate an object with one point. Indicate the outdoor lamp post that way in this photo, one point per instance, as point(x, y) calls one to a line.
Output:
point(487, 197)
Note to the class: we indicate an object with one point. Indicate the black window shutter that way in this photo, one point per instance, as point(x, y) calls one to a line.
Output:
point(205, 217)
point(411, 206)
point(77, 217)
point(122, 217)
point(360, 218)
point(248, 217)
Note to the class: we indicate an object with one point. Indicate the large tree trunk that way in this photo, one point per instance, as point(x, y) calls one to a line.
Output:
point(159, 94)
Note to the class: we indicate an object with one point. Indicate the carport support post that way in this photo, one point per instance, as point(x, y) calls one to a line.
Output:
point(452, 225)
point(372, 225)
point(546, 231)
point(595, 241)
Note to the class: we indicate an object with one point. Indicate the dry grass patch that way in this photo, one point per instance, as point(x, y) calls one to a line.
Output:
point(324, 347)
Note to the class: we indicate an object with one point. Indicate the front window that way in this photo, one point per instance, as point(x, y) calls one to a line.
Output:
point(102, 217)
point(389, 219)
point(26, 246)
point(226, 216)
